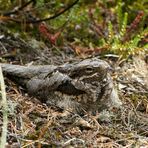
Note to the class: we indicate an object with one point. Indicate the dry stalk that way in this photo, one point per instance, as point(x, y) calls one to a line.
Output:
point(4, 111)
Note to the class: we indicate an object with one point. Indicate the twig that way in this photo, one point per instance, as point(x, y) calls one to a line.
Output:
point(3, 46)
point(56, 15)
point(4, 110)
point(46, 19)
point(16, 10)
point(73, 139)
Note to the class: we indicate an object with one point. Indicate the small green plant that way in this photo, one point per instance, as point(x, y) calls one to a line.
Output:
point(124, 39)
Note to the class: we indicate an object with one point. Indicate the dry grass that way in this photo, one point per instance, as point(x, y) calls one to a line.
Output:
point(4, 110)
point(32, 124)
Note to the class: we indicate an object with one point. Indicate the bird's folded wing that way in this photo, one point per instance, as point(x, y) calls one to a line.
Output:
point(56, 82)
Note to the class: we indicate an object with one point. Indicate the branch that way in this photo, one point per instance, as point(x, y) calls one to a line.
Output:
point(49, 18)
point(58, 14)
point(16, 10)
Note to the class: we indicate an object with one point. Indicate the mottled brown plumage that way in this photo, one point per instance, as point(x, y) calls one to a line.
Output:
point(80, 86)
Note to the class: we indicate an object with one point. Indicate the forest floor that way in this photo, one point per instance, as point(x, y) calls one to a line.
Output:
point(33, 124)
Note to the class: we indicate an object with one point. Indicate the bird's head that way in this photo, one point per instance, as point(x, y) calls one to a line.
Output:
point(90, 70)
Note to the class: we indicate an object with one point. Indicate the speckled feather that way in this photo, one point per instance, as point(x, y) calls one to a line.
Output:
point(80, 86)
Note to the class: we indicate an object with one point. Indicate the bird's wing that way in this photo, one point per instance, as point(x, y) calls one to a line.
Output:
point(56, 82)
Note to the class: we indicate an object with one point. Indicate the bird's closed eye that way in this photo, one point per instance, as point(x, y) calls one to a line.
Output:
point(89, 69)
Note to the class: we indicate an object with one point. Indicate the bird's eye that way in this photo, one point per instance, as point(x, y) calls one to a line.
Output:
point(89, 69)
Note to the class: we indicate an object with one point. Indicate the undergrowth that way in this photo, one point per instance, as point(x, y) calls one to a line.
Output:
point(119, 26)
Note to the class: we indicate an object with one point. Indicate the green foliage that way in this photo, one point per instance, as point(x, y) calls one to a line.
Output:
point(116, 41)
point(112, 19)
point(119, 13)
point(120, 40)
point(124, 25)
point(110, 33)
point(130, 47)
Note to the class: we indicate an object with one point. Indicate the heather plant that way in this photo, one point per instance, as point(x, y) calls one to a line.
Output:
point(125, 36)
point(126, 41)
point(117, 26)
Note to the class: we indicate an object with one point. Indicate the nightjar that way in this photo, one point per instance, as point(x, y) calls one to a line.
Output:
point(80, 86)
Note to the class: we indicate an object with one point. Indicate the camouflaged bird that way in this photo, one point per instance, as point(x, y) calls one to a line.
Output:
point(80, 86)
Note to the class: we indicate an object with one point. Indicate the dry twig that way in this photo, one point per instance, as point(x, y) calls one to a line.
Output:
point(4, 110)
